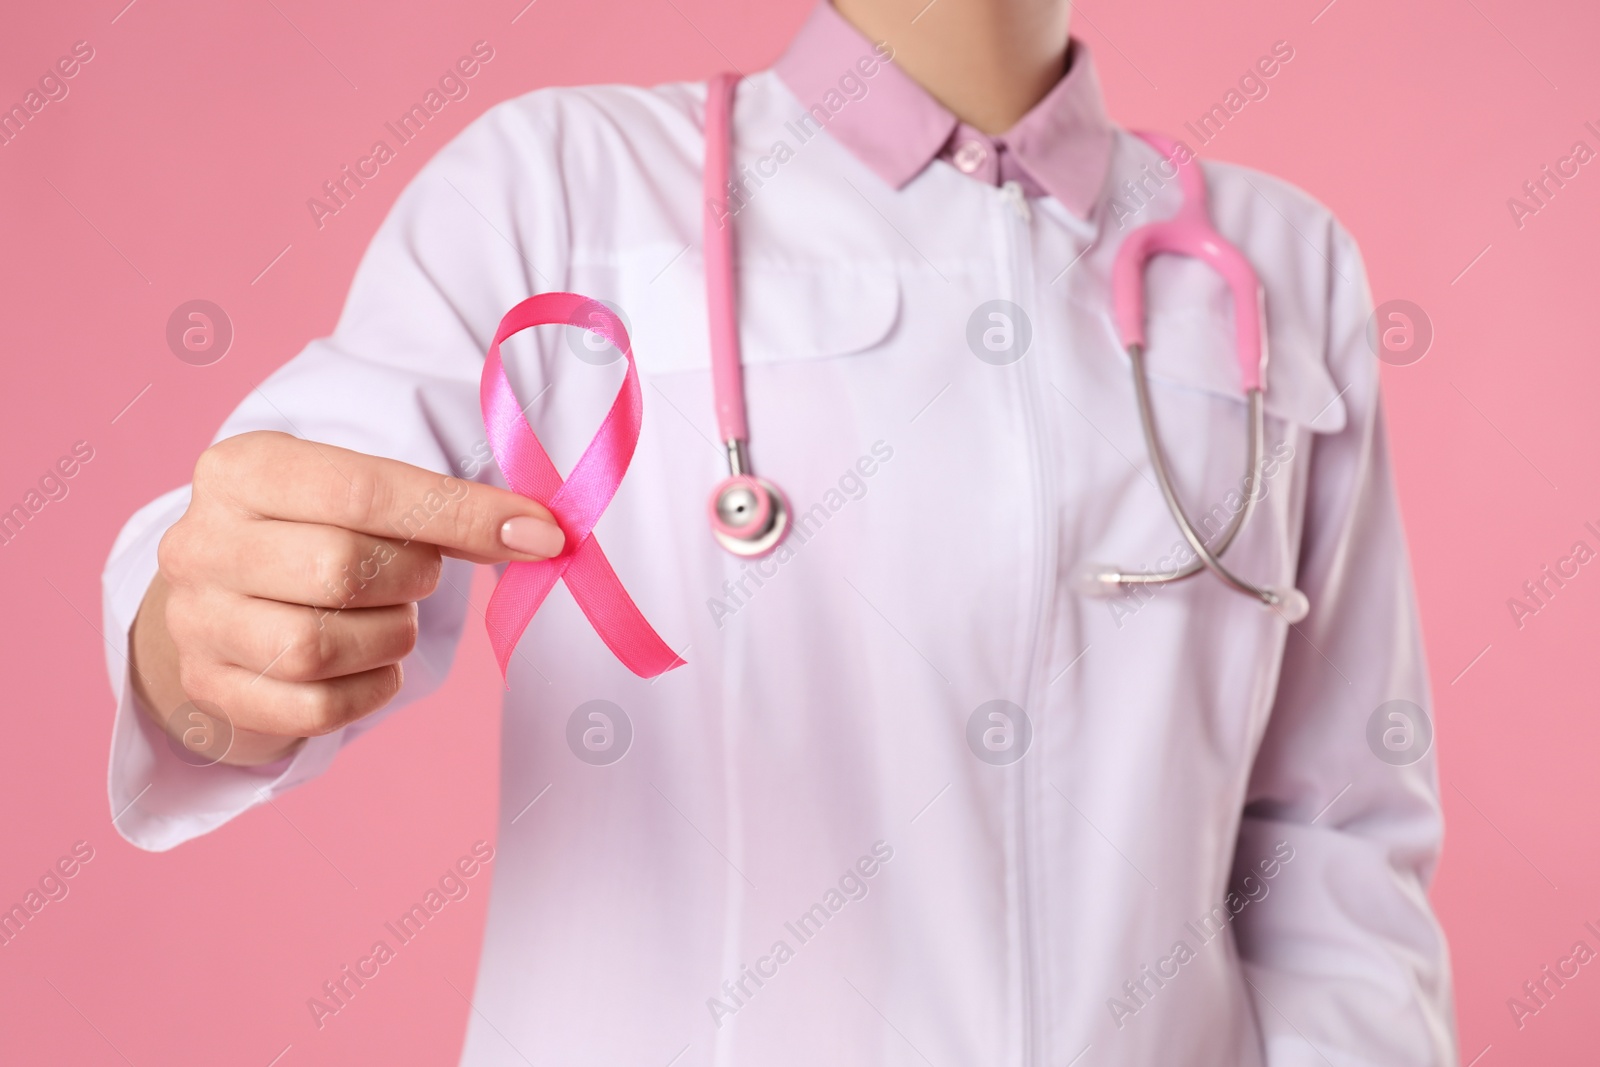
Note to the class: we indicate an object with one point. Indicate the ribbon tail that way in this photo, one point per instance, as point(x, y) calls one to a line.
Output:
point(614, 615)
point(518, 594)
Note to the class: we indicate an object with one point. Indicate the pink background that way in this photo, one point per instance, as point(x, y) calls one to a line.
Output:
point(178, 168)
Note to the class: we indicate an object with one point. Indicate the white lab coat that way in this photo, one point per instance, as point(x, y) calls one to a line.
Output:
point(821, 727)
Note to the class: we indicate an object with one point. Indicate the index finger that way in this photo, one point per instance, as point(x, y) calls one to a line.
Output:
point(273, 475)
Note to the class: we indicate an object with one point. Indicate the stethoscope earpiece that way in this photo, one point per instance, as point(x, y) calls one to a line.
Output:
point(1098, 580)
point(1291, 603)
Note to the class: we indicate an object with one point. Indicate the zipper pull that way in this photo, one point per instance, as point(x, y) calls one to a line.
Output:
point(1019, 200)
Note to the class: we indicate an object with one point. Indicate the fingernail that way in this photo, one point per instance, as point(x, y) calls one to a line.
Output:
point(532, 537)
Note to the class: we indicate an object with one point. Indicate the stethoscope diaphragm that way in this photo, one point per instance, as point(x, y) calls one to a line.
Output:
point(749, 515)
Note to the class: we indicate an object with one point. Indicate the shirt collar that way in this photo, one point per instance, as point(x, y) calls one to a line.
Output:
point(897, 128)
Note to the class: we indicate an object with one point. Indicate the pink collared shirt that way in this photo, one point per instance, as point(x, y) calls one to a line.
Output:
point(1060, 148)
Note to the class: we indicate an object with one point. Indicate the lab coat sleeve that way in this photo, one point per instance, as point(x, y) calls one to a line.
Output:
point(481, 227)
point(1346, 962)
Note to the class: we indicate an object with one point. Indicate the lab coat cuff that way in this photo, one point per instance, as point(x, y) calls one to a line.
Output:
point(158, 799)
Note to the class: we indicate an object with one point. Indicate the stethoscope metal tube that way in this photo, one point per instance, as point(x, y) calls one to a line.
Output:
point(1101, 580)
point(1107, 580)
point(1290, 603)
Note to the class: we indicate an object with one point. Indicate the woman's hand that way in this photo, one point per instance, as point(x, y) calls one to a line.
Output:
point(287, 594)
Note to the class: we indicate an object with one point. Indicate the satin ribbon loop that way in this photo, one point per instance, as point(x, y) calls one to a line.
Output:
point(577, 501)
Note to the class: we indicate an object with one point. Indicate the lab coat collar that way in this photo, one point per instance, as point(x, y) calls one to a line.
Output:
point(897, 128)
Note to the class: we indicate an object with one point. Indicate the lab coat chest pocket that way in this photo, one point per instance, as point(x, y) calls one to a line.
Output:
point(786, 312)
point(1202, 417)
point(1190, 345)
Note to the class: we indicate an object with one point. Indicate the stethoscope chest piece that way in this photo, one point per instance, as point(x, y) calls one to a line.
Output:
point(749, 515)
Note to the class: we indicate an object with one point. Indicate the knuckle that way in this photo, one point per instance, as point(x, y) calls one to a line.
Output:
point(320, 710)
point(413, 626)
point(473, 525)
point(409, 636)
point(306, 648)
point(326, 707)
point(229, 461)
point(332, 564)
point(363, 495)
point(214, 464)
point(394, 677)
point(196, 678)
point(427, 571)
point(175, 552)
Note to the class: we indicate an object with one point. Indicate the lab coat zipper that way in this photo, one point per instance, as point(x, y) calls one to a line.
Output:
point(1018, 223)
point(1019, 200)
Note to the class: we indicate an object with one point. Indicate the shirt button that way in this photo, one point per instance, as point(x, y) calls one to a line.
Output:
point(970, 156)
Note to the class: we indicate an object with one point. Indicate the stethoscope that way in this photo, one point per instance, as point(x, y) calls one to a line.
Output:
point(750, 515)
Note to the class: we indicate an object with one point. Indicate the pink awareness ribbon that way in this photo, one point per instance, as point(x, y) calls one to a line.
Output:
point(576, 502)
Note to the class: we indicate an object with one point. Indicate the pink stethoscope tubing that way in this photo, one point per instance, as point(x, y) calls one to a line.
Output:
point(749, 515)
point(1190, 233)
